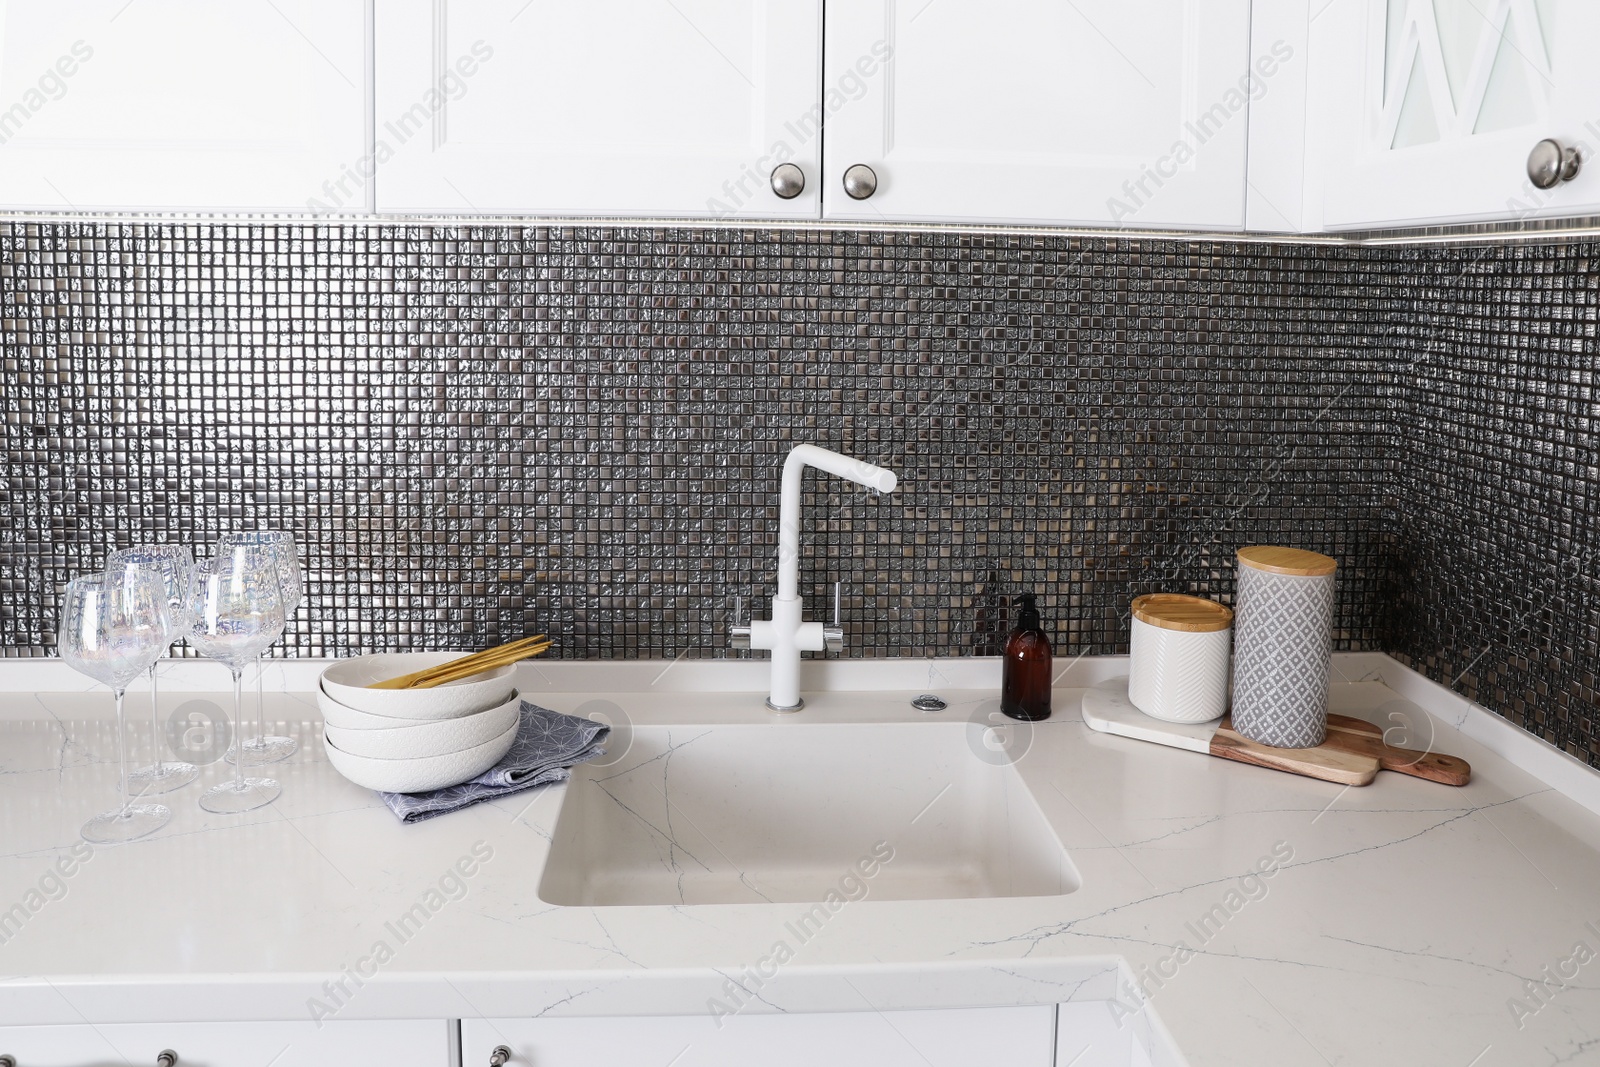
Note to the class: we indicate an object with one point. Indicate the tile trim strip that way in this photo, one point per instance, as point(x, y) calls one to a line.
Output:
point(1554, 231)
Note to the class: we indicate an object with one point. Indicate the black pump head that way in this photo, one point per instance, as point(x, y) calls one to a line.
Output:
point(1027, 613)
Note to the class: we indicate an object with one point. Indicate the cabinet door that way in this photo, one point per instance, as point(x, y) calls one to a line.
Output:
point(181, 104)
point(292, 1044)
point(1422, 112)
point(606, 107)
point(1098, 112)
point(970, 1037)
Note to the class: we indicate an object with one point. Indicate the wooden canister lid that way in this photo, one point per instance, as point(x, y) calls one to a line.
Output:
point(1280, 560)
point(1176, 611)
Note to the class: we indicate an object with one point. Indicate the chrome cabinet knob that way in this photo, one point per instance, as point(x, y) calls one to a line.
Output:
point(166, 1058)
point(1549, 164)
point(500, 1056)
point(860, 181)
point(788, 181)
point(833, 636)
point(8, 1061)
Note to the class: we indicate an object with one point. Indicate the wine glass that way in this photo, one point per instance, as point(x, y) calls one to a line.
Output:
point(173, 565)
point(112, 629)
point(279, 546)
point(236, 610)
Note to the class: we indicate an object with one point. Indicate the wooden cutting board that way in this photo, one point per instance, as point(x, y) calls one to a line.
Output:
point(1352, 754)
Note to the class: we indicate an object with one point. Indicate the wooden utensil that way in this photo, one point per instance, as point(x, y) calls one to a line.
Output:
point(1352, 754)
point(468, 665)
point(488, 663)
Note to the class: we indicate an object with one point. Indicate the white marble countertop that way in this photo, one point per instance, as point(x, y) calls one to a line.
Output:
point(1403, 924)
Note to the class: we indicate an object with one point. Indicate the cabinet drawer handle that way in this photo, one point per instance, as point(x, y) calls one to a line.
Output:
point(860, 181)
point(1550, 164)
point(788, 181)
point(498, 1058)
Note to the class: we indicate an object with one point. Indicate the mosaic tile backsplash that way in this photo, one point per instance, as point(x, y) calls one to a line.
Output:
point(482, 432)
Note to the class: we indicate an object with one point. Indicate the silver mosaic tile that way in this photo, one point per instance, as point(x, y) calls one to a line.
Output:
point(479, 432)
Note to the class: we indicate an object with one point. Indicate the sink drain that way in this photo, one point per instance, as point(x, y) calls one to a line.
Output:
point(928, 702)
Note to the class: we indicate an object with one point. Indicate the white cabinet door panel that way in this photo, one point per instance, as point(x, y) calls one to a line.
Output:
point(1278, 58)
point(287, 1044)
point(180, 104)
point(1098, 112)
point(971, 1037)
point(1424, 113)
point(607, 107)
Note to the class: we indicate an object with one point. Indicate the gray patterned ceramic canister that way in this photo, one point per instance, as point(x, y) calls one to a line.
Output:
point(1283, 641)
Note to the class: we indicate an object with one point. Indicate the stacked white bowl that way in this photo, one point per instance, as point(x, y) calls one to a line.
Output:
point(414, 740)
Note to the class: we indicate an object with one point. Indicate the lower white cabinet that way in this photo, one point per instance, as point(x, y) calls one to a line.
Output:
point(1068, 1035)
point(968, 1037)
point(281, 1044)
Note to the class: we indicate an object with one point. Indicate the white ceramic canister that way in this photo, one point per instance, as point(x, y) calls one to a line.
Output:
point(1178, 657)
point(1284, 647)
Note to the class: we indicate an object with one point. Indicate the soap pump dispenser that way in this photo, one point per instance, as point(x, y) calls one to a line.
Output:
point(1025, 674)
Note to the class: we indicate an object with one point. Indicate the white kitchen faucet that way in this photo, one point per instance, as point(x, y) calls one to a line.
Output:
point(786, 634)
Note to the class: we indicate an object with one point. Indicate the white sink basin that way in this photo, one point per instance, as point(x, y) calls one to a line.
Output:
point(790, 811)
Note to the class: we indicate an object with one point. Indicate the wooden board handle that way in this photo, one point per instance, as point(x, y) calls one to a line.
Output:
point(1358, 735)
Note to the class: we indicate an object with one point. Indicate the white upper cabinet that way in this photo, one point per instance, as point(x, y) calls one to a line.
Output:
point(1426, 111)
point(1095, 112)
point(179, 104)
point(603, 107)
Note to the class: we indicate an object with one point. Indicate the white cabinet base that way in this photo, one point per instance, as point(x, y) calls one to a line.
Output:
point(970, 1037)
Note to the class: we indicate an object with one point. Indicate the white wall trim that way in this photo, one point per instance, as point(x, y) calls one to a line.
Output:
point(1566, 774)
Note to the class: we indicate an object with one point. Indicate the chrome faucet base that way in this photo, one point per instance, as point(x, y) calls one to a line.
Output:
point(792, 707)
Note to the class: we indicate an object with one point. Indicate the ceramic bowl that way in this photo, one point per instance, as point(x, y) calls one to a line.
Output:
point(347, 718)
point(346, 682)
point(421, 774)
point(414, 739)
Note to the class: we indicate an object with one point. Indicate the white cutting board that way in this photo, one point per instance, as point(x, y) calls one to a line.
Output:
point(1106, 708)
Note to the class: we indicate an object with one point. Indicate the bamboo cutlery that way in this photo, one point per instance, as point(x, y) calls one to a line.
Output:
point(467, 666)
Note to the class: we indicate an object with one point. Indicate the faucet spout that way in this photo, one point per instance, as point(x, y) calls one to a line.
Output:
point(787, 634)
point(801, 457)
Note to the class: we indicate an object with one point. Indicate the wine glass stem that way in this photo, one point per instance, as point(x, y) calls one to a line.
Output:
point(261, 730)
point(155, 721)
point(124, 786)
point(238, 718)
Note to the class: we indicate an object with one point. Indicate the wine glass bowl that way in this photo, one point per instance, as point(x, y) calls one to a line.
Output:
point(236, 611)
point(174, 566)
point(112, 628)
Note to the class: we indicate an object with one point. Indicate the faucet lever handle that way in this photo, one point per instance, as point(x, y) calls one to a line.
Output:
point(833, 636)
point(738, 632)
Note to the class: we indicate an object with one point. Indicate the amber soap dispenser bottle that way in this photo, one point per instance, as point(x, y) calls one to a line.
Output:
point(1025, 674)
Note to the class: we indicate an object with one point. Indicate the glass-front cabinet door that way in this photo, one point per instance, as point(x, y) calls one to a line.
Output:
point(1425, 112)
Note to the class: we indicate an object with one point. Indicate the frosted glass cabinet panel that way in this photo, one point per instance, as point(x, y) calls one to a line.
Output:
point(1425, 111)
point(180, 104)
point(1098, 112)
point(605, 107)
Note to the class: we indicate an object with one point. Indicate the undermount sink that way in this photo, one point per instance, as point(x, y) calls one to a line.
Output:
point(791, 812)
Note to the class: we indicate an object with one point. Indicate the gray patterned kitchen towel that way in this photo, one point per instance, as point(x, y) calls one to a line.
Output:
point(547, 744)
